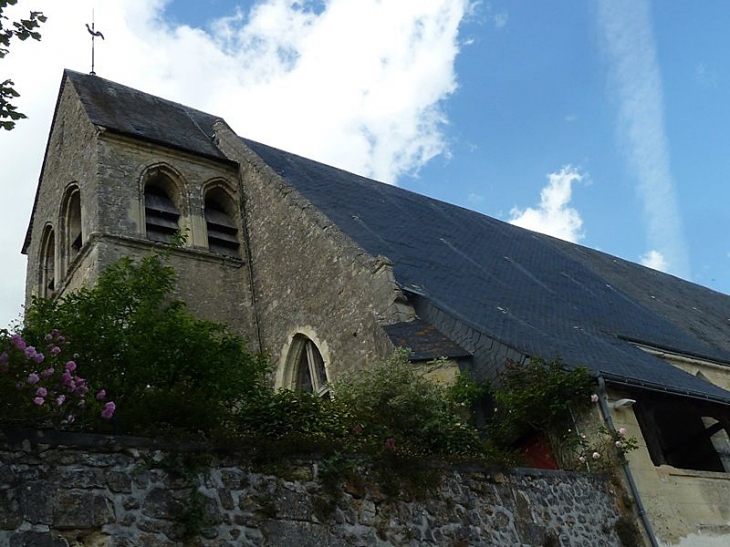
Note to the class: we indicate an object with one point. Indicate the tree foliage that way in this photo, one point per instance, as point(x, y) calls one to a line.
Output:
point(539, 396)
point(163, 367)
point(9, 31)
point(393, 401)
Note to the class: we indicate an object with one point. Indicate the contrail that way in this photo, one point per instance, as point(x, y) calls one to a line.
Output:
point(636, 80)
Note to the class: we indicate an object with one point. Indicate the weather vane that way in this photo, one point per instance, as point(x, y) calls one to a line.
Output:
point(94, 33)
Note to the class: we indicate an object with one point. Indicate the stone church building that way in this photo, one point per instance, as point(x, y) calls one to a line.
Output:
point(325, 270)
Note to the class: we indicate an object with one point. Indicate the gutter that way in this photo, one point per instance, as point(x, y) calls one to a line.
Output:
point(602, 396)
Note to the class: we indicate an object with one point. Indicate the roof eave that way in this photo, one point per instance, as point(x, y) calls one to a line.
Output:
point(658, 388)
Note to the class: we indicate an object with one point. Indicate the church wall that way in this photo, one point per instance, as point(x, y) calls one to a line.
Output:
point(70, 159)
point(213, 286)
point(309, 277)
point(687, 508)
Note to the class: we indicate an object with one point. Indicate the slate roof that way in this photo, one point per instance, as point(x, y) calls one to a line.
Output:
point(537, 294)
point(131, 112)
point(424, 341)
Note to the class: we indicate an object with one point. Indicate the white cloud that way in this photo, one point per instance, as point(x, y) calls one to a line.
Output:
point(358, 84)
point(500, 19)
point(554, 216)
point(636, 81)
point(655, 260)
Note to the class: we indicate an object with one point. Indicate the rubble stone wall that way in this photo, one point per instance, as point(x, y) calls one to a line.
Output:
point(117, 492)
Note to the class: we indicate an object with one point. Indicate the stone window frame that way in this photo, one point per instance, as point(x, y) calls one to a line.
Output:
point(172, 183)
point(222, 194)
point(71, 232)
point(304, 347)
point(47, 271)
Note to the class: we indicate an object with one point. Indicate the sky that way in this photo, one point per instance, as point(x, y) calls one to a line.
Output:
point(604, 122)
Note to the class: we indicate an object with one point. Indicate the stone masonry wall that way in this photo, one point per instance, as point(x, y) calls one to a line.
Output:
point(121, 492)
point(70, 159)
point(214, 287)
point(309, 277)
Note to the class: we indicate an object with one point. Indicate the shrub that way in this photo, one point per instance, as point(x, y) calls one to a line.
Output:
point(41, 386)
point(302, 419)
point(165, 368)
point(395, 406)
point(539, 396)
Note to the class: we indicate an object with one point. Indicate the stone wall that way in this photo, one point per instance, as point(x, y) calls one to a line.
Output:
point(309, 276)
point(122, 492)
point(70, 159)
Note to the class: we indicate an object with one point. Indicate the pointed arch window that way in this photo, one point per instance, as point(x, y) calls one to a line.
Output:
point(309, 373)
point(48, 263)
point(162, 218)
point(221, 224)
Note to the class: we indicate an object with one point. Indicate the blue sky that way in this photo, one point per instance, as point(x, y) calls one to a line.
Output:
point(612, 112)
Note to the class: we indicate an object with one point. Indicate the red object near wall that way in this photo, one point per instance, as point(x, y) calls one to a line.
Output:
point(537, 453)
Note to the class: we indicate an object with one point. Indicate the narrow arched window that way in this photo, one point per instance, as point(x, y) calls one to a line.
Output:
point(161, 214)
point(48, 263)
point(309, 373)
point(220, 223)
point(72, 237)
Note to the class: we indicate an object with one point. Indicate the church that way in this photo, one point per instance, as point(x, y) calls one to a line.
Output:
point(327, 271)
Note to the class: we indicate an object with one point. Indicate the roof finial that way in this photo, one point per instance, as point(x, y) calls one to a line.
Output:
point(94, 33)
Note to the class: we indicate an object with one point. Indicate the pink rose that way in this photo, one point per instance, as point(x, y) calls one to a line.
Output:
point(108, 411)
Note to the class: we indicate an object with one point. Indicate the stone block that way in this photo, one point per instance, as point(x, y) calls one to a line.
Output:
point(81, 509)
point(37, 539)
point(36, 502)
point(10, 514)
point(160, 504)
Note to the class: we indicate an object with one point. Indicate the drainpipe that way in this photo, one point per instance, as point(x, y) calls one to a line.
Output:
point(602, 396)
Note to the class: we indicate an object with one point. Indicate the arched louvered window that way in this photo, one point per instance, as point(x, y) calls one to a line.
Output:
point(221, 224)
point(161, 214)
point(48, 263)
point(309, 373)
point(72, 237)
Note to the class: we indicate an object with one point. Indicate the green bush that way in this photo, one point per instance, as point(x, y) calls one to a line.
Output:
point(163, 367)
point(287, 414)
point(539, 396)
point(392, 404)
